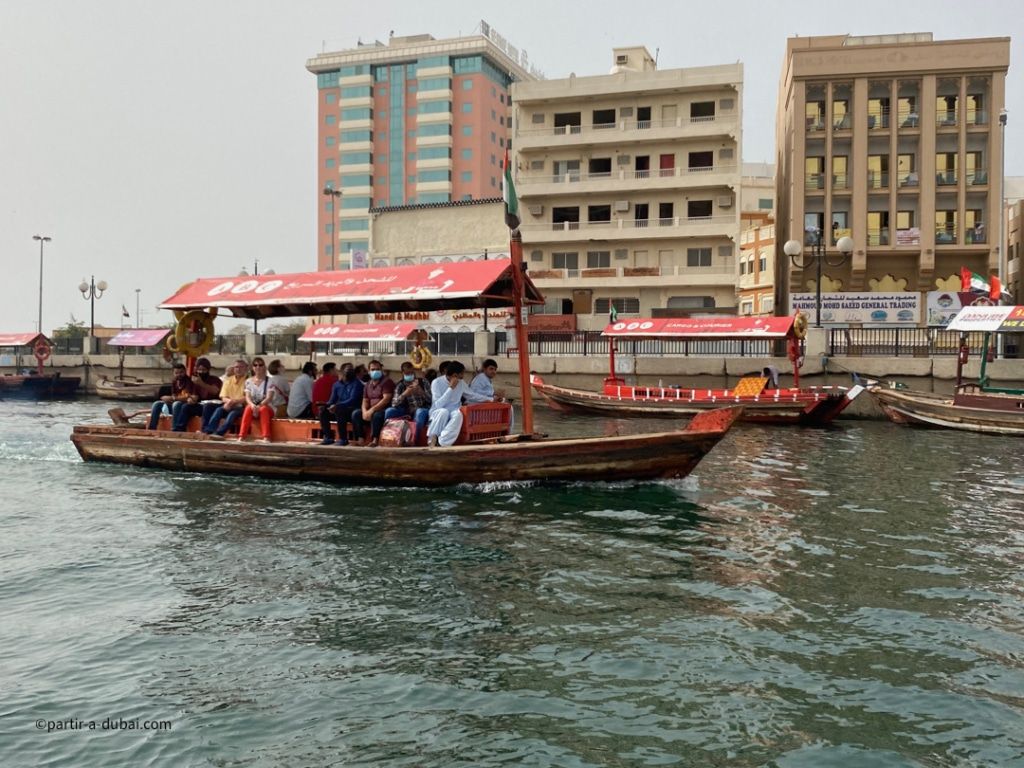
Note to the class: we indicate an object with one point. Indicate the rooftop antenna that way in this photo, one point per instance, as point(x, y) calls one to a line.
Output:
point(656, 52)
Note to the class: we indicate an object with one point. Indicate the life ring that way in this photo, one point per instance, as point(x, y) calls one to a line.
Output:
point(800, 325)
point(184, 330)
point(42, 350)
point(170, 348)
point(420, 357)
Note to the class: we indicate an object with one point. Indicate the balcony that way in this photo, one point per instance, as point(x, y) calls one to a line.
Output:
point(814, 182)
point(976, 236)
point(878, 120)
point(815, 123)
point(877, 181)
point(977, 117)
point(577, 183)
point(977, 178)
point(909, 179)
point(945, 178)
point(840, 182)
point(945, 119)
point(945, 235)
point(908, 118)
point(718, 274)
point(630, 229)
point(878, 237)
point(683, 127)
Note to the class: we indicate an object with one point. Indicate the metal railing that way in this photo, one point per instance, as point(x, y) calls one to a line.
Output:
point(621, 224)
point(628, 125)
point(592, 343)
point(578, 177)
point(897, 342)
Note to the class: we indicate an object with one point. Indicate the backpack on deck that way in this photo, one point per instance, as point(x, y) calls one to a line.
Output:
point(397, 433)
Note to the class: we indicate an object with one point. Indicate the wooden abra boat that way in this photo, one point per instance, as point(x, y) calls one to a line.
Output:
point(123, 387)
point(294, 453)
point(36, 385)
point(762, 403)
point(491, 455)
point(973, 407)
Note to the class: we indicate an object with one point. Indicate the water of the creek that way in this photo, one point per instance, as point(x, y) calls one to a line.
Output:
point(842, 597)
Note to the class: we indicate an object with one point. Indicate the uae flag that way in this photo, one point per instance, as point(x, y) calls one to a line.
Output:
point(972, 282)
point(508, 194)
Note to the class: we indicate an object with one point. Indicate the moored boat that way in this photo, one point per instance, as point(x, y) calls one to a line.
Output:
point(34, 385)
point(293, 450)
point(973, 406)
point(762, 399)
point(131, 388)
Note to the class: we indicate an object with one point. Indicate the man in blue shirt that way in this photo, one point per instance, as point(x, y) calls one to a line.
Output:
point(346, 396)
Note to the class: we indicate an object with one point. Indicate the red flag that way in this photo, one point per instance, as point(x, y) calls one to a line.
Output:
point(995, 288)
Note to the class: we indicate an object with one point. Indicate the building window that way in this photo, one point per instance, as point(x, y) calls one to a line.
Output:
point(628, 305)
point(747, 307)
point(599, 259)
point(698, 257)
point(467, 130)
point(466, 175)
point(767, 304)
point(467, 154)
point(565, 261)
point(467, 84)
point(765, 203)
point(467, 107)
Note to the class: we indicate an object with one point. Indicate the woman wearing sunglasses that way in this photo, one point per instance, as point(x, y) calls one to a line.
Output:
point(257, 402)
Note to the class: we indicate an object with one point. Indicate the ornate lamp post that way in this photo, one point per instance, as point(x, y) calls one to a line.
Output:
point(793, 249)
point(42, 239)
point(255, 273)
point(333, 194)
point(90, 292)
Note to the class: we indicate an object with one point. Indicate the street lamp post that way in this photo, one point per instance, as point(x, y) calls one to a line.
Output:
point(42, 239)
point(138, 319)
point(90, 292)
point(333, 194)
point(255, 273)
point(793, 249)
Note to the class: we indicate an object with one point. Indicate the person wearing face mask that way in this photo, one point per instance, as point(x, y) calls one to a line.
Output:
point(346, 395)
point(445, 413)
point(412, 399)
point(377, 395)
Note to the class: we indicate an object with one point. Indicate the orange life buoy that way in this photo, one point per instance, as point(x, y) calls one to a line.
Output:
point(800, 325)
point(42, 350)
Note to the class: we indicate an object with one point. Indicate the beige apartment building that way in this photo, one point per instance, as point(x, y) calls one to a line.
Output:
point(629, 187)
point(893, 140)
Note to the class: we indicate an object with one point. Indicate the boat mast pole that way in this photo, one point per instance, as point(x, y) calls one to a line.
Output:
point(518, 287)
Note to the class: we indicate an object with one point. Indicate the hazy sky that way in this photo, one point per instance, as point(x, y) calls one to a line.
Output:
point(157, 142)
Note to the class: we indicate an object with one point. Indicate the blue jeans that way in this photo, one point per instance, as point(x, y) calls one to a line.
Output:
point(421, 417)
point(181, 412)
point(154, 414)
point(229, 416)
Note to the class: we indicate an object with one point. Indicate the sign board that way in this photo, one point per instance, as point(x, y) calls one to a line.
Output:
point(446, 320)
point(139, 337)
point(701, 327)
point(942, 306)
point(359, 260)
point(876, 308)
point(980, 318)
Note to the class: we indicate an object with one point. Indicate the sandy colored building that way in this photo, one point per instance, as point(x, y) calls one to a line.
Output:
point(411, 121)
point(438, 233)
point(629, 188)
point(893, 140)
point(755, 282)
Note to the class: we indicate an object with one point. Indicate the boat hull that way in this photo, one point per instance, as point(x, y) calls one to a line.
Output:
point(996, 414)
point(46, 387)
point(128, 389)
point(633, 457)
point(794, 407)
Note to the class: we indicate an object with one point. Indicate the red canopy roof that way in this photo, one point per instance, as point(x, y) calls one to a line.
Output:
point(394, 289)
point(702, 327)
point(19, 339)
point(139, 337)
point(359, 332)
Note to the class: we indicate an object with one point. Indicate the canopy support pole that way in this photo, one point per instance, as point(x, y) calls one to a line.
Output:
point(518, 286)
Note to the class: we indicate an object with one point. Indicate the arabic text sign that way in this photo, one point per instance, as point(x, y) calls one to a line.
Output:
point(902, 307)
point(701, 327)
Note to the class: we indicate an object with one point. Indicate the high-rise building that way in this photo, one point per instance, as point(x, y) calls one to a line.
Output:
point(892, 140)
point(629, 188)
point(413, 121)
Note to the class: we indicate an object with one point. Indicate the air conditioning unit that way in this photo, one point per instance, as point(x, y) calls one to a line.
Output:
point(536, 255)
point(621, 253)
point(624, 160)
point(536, 165)
point(536, 210)
point(725, 202)
point(621, 206)
point(622, 59)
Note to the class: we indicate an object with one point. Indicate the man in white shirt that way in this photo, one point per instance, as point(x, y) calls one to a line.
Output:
point(300, 401)
point(445, 416)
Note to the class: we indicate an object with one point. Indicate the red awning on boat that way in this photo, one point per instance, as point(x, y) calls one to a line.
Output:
point(992, 319)
point(394, 289)
point(702, 328)
point(139, 337)
point(20, 339)
point(359, 332)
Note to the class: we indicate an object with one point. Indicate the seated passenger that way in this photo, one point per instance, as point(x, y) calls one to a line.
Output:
point(280, 388)
point(206, 387)
point(300, 401)
point(346, 396)
point(322, 386)
point(257, 401)
point(445, 416)
point(481, 389)
point(412, 399)
point(181, 390)
point(377, 395)
point(232, 400)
